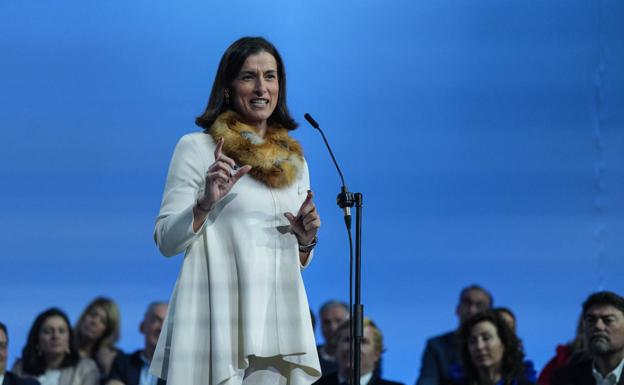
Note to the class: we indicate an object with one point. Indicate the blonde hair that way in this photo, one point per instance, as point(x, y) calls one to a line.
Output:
point(113, 321)
point(377, 334)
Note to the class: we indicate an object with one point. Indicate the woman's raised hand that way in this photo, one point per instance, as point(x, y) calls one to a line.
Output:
point(220, 178)
point(307, 222)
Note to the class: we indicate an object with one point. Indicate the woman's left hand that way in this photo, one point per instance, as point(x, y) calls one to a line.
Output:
point(307, 222)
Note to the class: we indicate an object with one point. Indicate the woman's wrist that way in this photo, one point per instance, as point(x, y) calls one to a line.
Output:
point(307, 246)
point(202, 207)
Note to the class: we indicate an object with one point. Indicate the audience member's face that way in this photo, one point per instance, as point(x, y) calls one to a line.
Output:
point(509, 320)
point(370, 353)
point(54, 336)
point(94, 323)
point(485, 346)
point(472, 302)
point(152, 324)
point(3, 351)
point(604, 330)
point(331, 318)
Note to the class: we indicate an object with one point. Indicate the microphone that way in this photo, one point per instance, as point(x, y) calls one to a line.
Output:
point(312, 121)
point(345, 199)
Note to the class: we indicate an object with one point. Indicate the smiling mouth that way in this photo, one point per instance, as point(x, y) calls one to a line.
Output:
point(259, 102)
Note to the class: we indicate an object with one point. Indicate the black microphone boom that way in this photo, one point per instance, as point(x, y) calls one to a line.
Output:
point(345, 199)
point(311, 120)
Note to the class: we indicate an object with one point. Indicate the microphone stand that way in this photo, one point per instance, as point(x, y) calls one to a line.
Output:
point(345, 201)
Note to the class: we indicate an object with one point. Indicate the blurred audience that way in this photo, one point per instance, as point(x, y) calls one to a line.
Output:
point(8, 378)
point(97, 332)
point(332, 314)
point(51, 356)
point(565, 354)
point(133, 369)
point(372, 348)
point(490, 351)
point(603, 328)
point(440, 360)
point(484, 350)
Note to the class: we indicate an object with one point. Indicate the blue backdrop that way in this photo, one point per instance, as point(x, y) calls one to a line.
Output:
point(486, 136)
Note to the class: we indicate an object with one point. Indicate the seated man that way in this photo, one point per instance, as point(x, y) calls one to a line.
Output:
point(440, 361)
point(603, 327)
point(372, 348)
point(133, 369)
point(8, 378)
point(332, 314)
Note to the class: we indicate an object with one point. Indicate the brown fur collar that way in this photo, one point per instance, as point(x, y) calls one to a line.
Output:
point(276, 159)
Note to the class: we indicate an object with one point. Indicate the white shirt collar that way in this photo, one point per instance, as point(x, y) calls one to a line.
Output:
point(611, 378)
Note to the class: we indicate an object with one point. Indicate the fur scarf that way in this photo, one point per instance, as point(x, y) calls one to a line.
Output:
point(276, 159)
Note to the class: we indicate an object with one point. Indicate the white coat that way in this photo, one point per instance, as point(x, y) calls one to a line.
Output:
point(239, 292)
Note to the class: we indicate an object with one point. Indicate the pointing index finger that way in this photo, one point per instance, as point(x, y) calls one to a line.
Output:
point(217, 152)
point(305, 203)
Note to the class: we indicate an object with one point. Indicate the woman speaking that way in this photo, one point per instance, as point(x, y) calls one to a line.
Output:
point(237, 202)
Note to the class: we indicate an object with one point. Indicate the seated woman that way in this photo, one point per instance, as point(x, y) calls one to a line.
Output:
point(97, 331)
point(51, 356)
point(491, 352)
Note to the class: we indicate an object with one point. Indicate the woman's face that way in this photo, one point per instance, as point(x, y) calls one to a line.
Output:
point(94, 323)
point(255, 90)
point(54, 336)
point(485, 346)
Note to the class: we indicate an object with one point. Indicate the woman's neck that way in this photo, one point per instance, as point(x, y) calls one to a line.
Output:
point(54, 361)
point(489, 376)
point(86, 347)
point(261, 128)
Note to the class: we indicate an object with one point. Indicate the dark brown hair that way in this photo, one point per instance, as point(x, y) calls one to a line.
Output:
point(229, 67)
point(512, 365)
point(33, 362)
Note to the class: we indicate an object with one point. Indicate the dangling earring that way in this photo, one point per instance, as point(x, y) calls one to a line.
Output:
point(227, 96)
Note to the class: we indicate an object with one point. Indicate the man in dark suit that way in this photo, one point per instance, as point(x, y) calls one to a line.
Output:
point(8, 378)
point(372, 348)
point(133, 369)
point(332, 314)
point(603, 328)
point(440, 360)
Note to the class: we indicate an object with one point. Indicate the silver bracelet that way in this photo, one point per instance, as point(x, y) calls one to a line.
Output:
point(307, 248)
